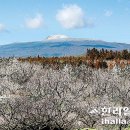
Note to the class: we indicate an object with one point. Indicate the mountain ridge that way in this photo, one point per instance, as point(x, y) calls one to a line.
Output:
point(57, 47)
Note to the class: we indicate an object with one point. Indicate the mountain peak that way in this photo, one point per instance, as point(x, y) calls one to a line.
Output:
point(56, 37)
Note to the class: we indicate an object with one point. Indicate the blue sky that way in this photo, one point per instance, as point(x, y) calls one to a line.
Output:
point(32, 20)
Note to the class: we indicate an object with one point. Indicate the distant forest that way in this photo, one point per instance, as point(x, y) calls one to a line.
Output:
point(94, 58)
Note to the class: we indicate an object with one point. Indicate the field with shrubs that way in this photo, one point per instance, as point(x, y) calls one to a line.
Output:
point(59, 93)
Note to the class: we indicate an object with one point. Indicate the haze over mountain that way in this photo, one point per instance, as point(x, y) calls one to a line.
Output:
point(57, 45)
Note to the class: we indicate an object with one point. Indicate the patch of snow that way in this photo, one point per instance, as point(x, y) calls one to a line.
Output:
point(56, 37)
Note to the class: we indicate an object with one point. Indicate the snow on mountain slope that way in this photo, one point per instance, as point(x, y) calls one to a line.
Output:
point(58, 46)
point(56, 37)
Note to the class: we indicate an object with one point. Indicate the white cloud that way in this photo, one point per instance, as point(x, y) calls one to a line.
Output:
point(108, 13)
point(71, 16)
point(35, 22)
point(2, 28)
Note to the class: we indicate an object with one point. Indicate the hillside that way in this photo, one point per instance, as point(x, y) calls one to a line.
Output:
point(57, 47)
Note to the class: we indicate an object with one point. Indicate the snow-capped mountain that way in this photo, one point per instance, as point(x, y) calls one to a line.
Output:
point(57, 45)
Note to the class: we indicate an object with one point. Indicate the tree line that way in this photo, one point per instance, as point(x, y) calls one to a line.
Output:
point(93, 58)
point(107, 54)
